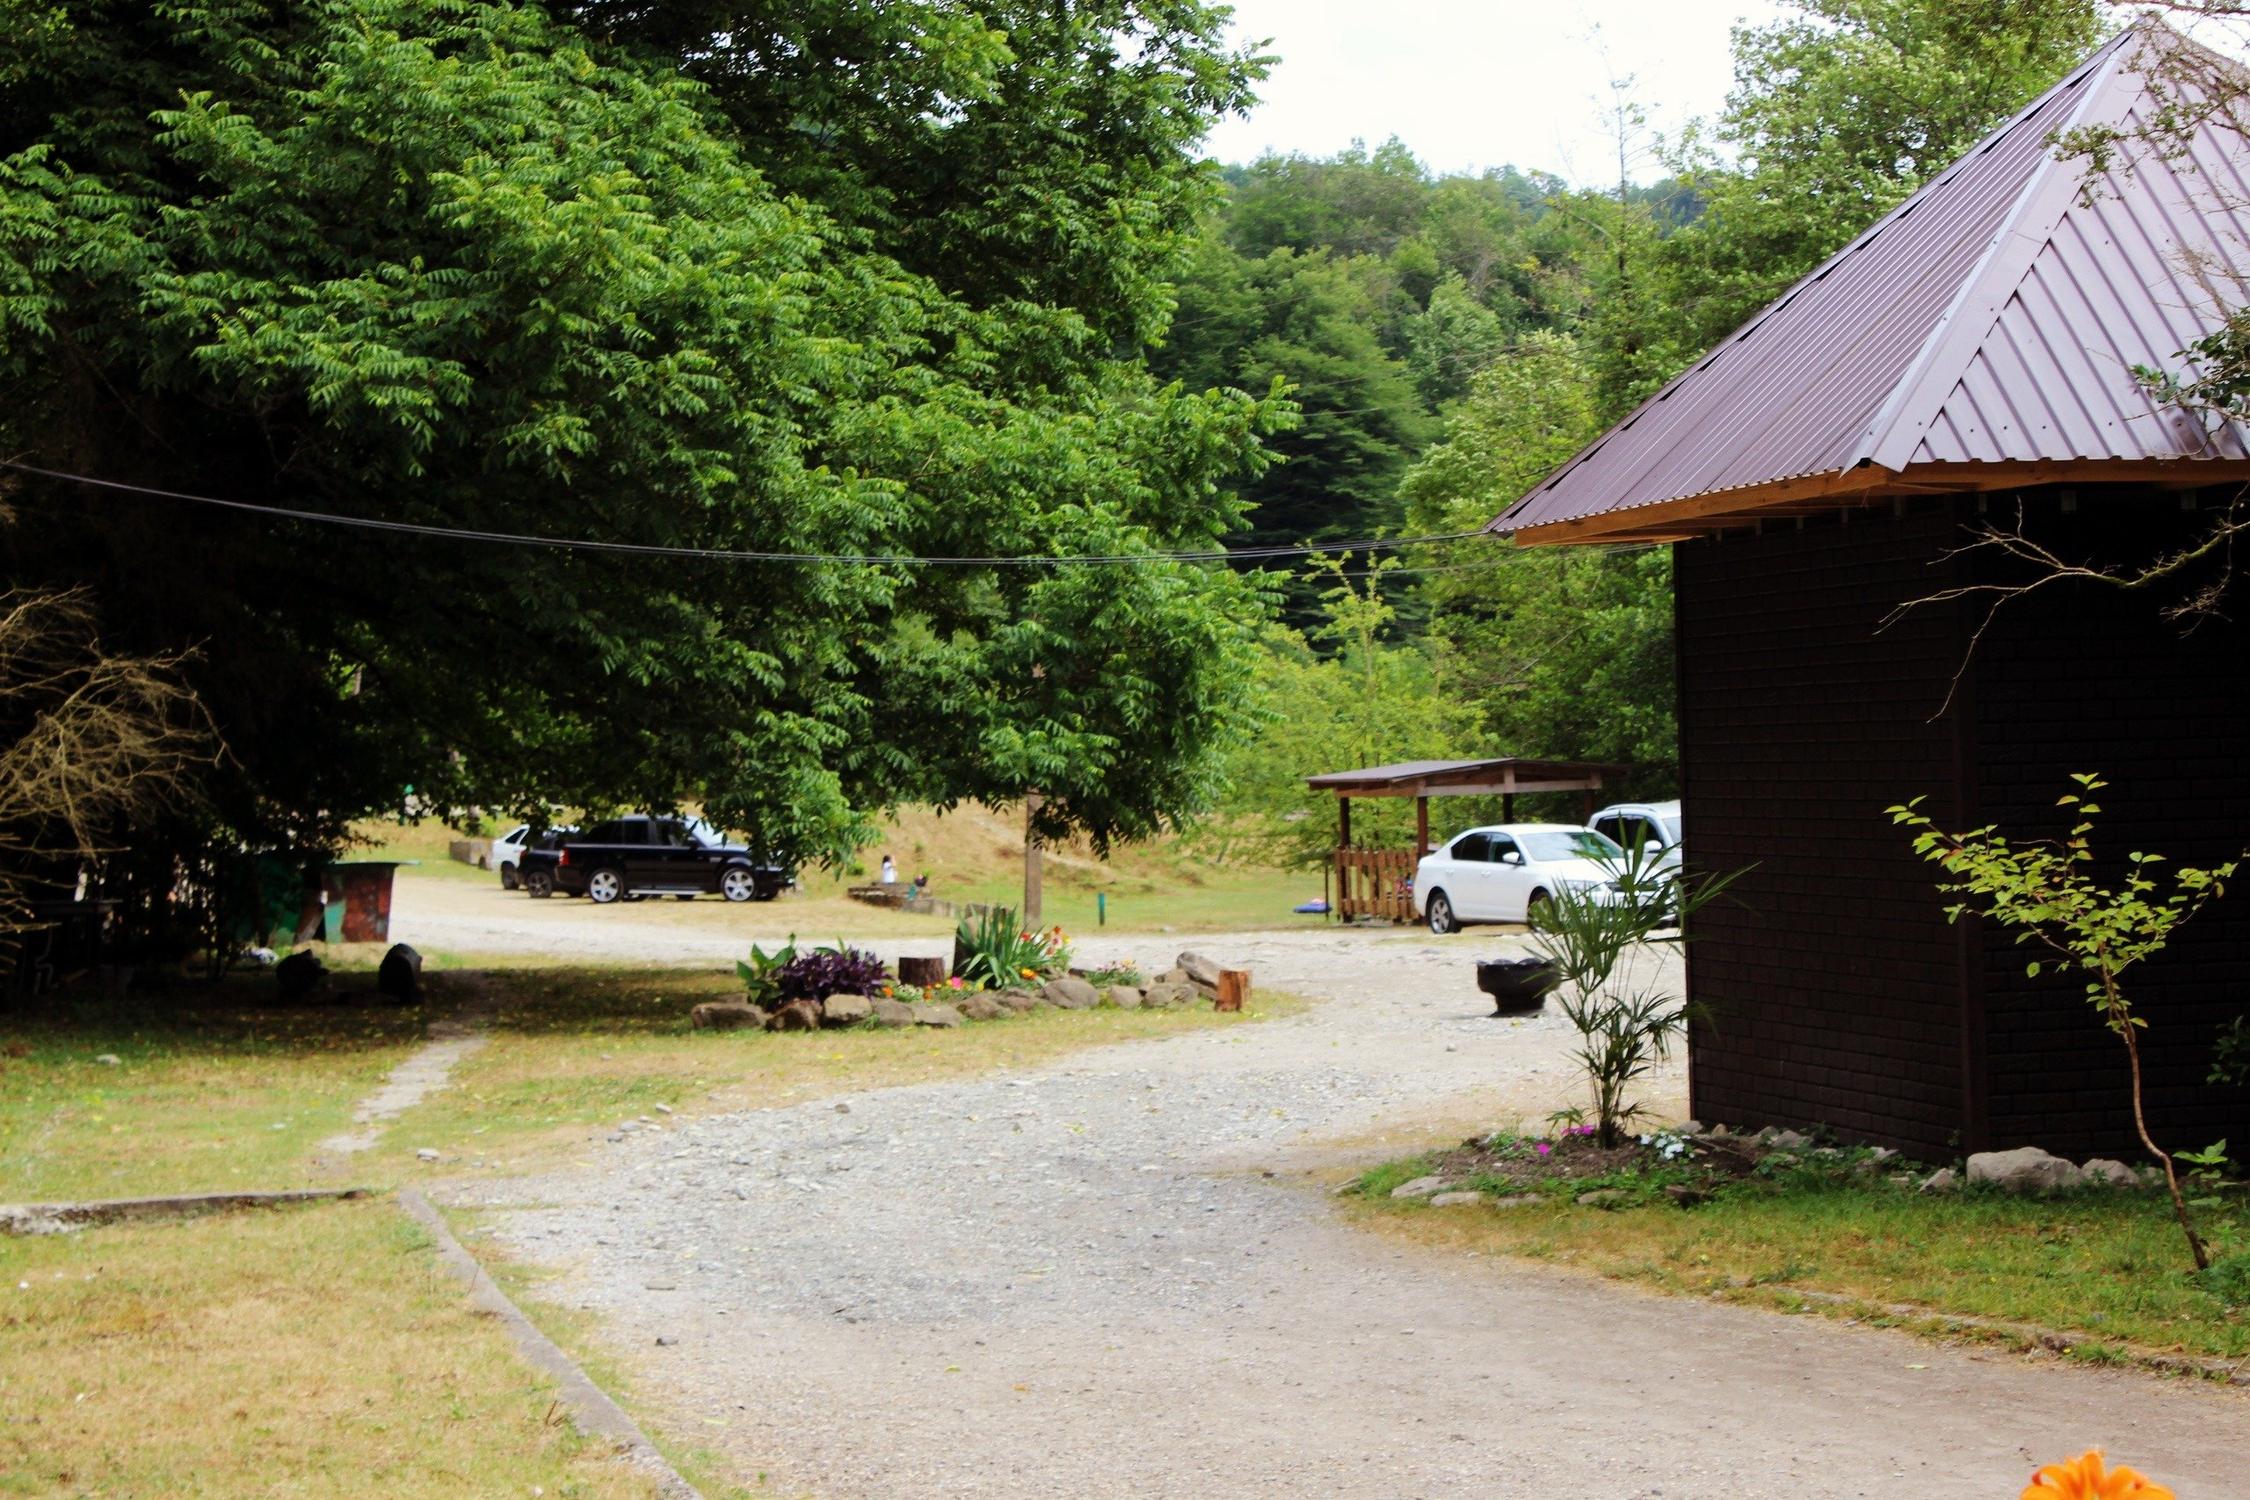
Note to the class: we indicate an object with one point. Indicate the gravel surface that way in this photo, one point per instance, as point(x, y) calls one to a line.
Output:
point(1081, 1281)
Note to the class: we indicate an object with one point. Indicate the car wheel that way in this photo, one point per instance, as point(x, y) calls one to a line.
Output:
point(1535, 907)
point(1441, 915)
point(508, 881)
point(604, 886)
point(539, 883)
point(738, 884)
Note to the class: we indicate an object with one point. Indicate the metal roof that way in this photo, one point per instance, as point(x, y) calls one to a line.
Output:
point(1994, 318)
point(1408, 778)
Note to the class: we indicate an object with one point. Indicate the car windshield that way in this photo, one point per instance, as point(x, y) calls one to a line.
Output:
point(1551, 845)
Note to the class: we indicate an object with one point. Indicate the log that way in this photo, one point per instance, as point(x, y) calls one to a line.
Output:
point(1234, 989)
point(921, 972)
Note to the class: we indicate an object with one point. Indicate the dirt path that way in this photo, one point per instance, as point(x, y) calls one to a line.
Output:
point(1076, 1282)
point(422, 1074)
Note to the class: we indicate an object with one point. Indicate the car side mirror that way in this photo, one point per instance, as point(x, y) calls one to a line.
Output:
point(1512, 857)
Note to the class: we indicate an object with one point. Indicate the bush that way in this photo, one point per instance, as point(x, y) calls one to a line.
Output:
point(829, 971)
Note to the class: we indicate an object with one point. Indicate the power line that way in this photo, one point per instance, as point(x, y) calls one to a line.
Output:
point(650, 549)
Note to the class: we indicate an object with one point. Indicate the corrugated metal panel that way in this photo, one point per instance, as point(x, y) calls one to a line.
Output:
point(1995, 315)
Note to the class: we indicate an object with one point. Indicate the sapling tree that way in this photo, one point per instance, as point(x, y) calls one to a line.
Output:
point(2047, 890)
point(1627, 1021)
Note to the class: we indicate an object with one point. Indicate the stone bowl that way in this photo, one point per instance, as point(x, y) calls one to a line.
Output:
point(1517, 986)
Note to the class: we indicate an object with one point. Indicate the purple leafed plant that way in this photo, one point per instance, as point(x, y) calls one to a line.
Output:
point(832, 971)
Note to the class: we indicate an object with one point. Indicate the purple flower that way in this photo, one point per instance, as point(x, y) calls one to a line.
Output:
point(1543, 1148)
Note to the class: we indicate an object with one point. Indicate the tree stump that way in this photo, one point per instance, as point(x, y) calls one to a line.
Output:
point(921, 972)
point(1234, 989)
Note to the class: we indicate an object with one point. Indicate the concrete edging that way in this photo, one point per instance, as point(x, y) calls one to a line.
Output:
point(2224, 1372)
point(62, 1218)
point(591, 1409)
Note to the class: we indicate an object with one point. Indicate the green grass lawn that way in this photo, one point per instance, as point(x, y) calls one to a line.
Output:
point(215, 1088)
point(2108, 1266)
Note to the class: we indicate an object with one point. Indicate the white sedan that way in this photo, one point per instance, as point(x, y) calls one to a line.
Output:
point(1501, 873)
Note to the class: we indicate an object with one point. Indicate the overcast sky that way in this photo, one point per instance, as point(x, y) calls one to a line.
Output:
point(1469, 84)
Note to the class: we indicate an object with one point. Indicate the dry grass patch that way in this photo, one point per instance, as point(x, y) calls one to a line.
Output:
point(575, 1049)
point(308, 1351)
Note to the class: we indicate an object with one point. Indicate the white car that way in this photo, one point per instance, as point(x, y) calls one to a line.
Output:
point(507, 853)
point(1500, 873)
point(1638, 824)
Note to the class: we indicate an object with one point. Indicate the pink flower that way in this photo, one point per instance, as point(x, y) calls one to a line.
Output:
point(1543, 1148)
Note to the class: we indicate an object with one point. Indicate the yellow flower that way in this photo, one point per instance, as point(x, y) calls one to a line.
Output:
point(1028, 973)
point(2083, 1478)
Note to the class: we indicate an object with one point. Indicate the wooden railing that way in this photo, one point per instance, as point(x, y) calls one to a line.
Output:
point(1375, 883)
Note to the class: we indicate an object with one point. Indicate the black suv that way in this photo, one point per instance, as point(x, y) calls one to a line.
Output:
point(644, 856)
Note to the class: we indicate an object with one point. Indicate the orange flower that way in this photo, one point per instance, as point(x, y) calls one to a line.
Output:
point(1028, 973)
point(2083, 1478)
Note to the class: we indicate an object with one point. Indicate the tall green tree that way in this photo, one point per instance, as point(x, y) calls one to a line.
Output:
point(840, 278)
point(1562, 651)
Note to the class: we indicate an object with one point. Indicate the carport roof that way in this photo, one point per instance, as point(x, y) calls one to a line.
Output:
point(1498, 776)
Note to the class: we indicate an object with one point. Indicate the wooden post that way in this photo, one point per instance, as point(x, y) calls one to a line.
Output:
point(1033, 896)
point(1234, 989)
point(1343, 822)
point(1421, 826)
point(1507, 807)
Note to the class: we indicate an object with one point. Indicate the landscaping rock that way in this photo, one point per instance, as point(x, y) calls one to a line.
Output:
point(1174, 975)
point(2104, 1172)
point(936, 1015)
point(981, 1008)
point(1124, 997)
point(1454, 1200)
point(728, 1015)
point(1943, 1180)
point(889, 1012)
point(1163, 996)
point(797, 1015)
point(1071, 994)
point(1685, 1196)
point(1605, 1198)
point(1022, 1002)
point(400, 975)
point(1784, 1140)
point(425, 1154)
point(846, 1010)
point(1420, 1187)
point(2027, 1169)
point(1517, 1200)
point(110, 1060)
point(299, 975)
point(1198, 969)
point(1689, 1127)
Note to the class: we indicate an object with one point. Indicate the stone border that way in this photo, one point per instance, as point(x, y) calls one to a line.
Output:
point(62, 1218)
point(591, 1409)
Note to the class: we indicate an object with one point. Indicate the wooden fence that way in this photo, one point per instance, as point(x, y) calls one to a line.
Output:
point(1375, 883)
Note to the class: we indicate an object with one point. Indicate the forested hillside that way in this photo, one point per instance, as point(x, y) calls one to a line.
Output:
point(1449, 339)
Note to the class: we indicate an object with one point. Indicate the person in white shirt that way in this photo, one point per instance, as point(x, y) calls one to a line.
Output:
point(890, 871)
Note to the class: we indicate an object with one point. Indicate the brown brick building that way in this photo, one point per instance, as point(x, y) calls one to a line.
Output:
point(1968, 360)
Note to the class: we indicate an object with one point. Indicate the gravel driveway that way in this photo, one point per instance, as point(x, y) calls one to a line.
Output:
point(1080, 1281)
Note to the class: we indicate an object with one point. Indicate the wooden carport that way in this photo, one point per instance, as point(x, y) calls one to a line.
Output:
point(1374, 882)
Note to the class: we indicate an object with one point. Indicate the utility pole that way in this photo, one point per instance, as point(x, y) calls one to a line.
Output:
point(1033, 897)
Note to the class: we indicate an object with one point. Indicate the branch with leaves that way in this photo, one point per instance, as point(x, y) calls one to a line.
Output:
point(2047, 891)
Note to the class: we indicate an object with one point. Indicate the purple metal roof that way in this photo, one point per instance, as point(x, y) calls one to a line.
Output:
point(1995, 316)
